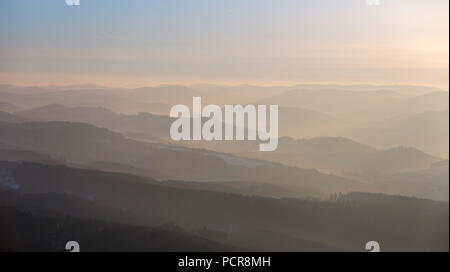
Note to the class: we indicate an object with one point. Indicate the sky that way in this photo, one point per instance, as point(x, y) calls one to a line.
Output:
point(131, 43)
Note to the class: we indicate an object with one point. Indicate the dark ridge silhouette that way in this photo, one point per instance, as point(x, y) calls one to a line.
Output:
point(52, 234)
point(8, 107)
point(345, 222)
point(11, 118)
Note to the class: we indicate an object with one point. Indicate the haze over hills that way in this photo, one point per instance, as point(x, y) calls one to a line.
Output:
point(347, 157)
point(120, 100)
point(336, 155)
point(410, 90)
point(224, 126)
point(332, 154)
point(427, 131)
point(142, 124)
point(8, 107)
point(407, 171)
point(82, 143)
point(292, 121)
point(363, 106)
point(322, 151)
point(242, 221)
point(304, 123)
point(376, 115)
point(11, 118)
point(358, 102)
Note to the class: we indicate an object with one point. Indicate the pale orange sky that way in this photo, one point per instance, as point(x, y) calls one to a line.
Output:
point(261, 42)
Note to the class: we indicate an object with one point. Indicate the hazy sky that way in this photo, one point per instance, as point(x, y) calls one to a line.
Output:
point(135, 43)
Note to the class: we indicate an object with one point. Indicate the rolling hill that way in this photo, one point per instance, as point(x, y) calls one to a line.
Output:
point(345, 222)
point(83, 144)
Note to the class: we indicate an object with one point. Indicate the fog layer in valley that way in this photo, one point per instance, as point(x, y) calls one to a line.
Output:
point(354, 163)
